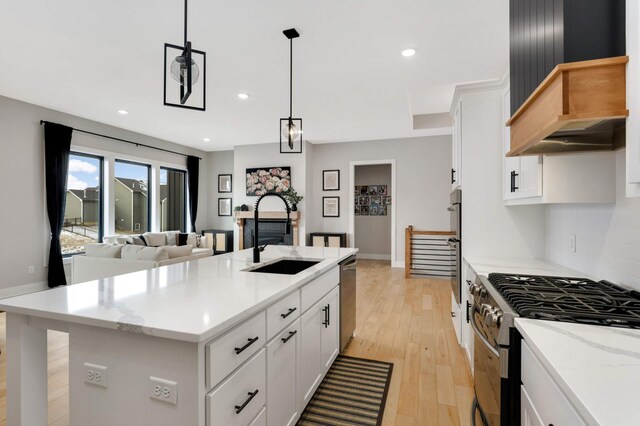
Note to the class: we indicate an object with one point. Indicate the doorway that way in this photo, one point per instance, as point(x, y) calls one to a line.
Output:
point(373, 209)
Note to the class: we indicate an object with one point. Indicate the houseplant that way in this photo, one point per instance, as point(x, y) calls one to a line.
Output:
point(292, 198)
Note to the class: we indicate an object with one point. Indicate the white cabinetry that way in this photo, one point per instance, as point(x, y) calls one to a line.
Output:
point(633, 99)
point(466, 330)
point(283, 360)
point(543, 402)
point(319, 343)
point(522, 176)
point(456, 147)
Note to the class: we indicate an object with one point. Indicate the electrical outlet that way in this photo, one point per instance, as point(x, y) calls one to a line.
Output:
point(572, 243)
point(163, 390)
point(32, 269)
point(96, 375)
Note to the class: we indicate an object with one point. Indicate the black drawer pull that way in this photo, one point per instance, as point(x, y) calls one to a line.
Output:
point(326, 316)
point(249, 343)
point(239, 408)
point(291, 310)
point(291, 334)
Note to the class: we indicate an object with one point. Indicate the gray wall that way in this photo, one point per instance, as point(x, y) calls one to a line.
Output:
point(422, 182)
point(373, 233)
point(219, 163)
point(22, 180)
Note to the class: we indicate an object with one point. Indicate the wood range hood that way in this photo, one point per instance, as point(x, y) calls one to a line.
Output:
point(580, 106)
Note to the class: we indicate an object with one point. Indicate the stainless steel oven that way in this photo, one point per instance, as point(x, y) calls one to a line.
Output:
point(455, 242)
point(496, 378)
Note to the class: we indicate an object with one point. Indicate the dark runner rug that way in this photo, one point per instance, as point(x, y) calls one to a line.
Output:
point(353, 392)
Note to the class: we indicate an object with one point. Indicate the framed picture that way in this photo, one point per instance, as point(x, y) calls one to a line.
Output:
point(364, 201)
point(364, 210)
point(331, 180)
point(382, 190)
point(330, 206)
point(376, 199)
point(357, 212)
point(268, 179)
point(224, 206)
point(356, 192)
point(386, 200)
point(224, 183)
point(373, 189)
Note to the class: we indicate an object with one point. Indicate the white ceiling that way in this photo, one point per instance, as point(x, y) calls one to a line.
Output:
point(90, 58)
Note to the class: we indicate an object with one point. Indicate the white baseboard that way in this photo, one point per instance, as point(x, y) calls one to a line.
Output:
point(373, 256)
point(19, 290)
point(397, 264)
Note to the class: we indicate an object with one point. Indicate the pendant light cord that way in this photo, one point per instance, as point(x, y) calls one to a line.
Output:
point(290, 80)
point(185, 23)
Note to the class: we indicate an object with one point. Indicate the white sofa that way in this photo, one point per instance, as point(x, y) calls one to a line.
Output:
point(102, 260)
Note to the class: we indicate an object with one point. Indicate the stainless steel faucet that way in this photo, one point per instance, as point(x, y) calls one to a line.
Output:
point(256, 242)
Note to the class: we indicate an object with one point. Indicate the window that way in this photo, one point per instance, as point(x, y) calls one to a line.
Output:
point(172, 200)
point(83, 208)
point(132, 197)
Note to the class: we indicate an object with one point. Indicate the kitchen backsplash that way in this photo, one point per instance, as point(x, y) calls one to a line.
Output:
point(607, 235)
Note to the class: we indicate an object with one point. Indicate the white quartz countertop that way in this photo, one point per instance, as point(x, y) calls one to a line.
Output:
point(486, 265)
point(191, 301)
point(596, 367)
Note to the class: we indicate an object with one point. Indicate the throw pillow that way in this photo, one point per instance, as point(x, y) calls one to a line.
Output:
point(112, 251)
point(192, 239)
point(179, 251)
point(124, 240)
point(172, 238)
point(155, 239)
point(138, 240)
point(132, 252)
point(182, 238)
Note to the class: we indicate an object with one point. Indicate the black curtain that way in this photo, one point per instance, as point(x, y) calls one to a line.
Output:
point(193, 173)
point(57, 145)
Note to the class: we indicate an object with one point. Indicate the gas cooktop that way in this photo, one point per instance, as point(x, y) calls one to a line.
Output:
point(577, 300)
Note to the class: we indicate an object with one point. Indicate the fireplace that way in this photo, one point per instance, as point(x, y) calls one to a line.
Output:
point(271, 231)
point(272, 228)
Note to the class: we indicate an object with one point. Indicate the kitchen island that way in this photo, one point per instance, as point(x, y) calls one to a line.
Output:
point(205, 342)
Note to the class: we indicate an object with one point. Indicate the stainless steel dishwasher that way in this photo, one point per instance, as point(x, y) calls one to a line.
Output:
point(347, 300)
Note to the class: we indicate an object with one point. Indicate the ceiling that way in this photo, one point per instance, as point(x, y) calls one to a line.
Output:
point(91, 58)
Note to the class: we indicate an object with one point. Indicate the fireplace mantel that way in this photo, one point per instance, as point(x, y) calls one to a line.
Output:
point(241, 217)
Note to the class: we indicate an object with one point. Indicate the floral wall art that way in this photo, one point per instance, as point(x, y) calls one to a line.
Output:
point(268, 179)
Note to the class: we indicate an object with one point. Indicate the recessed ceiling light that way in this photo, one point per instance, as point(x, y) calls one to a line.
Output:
point(206, 139)
point(243, 96)
point(123, 112)
point(408, 52)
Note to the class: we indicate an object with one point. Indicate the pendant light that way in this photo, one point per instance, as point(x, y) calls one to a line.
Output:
point(290, 127)
point(185, 73)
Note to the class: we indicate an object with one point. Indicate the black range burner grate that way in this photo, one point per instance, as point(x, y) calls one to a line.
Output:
point(577, 300)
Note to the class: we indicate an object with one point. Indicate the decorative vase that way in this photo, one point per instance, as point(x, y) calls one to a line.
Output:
point(294, 207)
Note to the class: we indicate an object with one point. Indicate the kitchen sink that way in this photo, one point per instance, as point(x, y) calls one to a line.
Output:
point(285, 266)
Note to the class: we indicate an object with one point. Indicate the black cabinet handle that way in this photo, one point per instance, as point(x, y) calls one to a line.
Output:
point(513, 181)
point(326, 316)
point(453, 175)
point(468, 312)
point(291, 310)
point(239, 408)
point(249, 343)
point(453, 314)
point(291, 334)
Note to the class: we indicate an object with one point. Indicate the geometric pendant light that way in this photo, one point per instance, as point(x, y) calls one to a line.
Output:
point(181, 88)
point(290, 127)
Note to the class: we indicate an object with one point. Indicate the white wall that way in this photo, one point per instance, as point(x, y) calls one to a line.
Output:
point(218, 163)
point(373, 233)
point(268, 155)
point(422, 183)
point(488, 227)
point(607, 235)
point(22, 180)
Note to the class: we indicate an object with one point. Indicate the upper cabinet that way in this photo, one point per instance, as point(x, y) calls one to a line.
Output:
point(456, 147)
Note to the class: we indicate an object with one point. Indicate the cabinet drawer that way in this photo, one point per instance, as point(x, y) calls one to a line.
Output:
point(549, 402)
point(289, 307)
point(317, 288)
point(229, 351)
point(261, 420)
point(235, 394)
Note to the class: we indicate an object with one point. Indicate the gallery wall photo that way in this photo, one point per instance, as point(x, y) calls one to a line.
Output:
point(371, 200)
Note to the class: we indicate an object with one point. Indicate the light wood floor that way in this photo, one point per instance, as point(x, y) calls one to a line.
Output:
point(404, 321)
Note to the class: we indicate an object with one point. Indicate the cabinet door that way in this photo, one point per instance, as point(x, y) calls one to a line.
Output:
point(330, 331)
point(317, 241)
point(310, 372)
point(282, 367)
point(530, 182)
point(528, 414)
point(511, 165)
point(456, 148)
point(333, 241)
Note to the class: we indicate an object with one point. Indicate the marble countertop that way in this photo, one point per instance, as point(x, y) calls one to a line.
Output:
point(190, 301)
point(596, 367)
point(486, 265)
